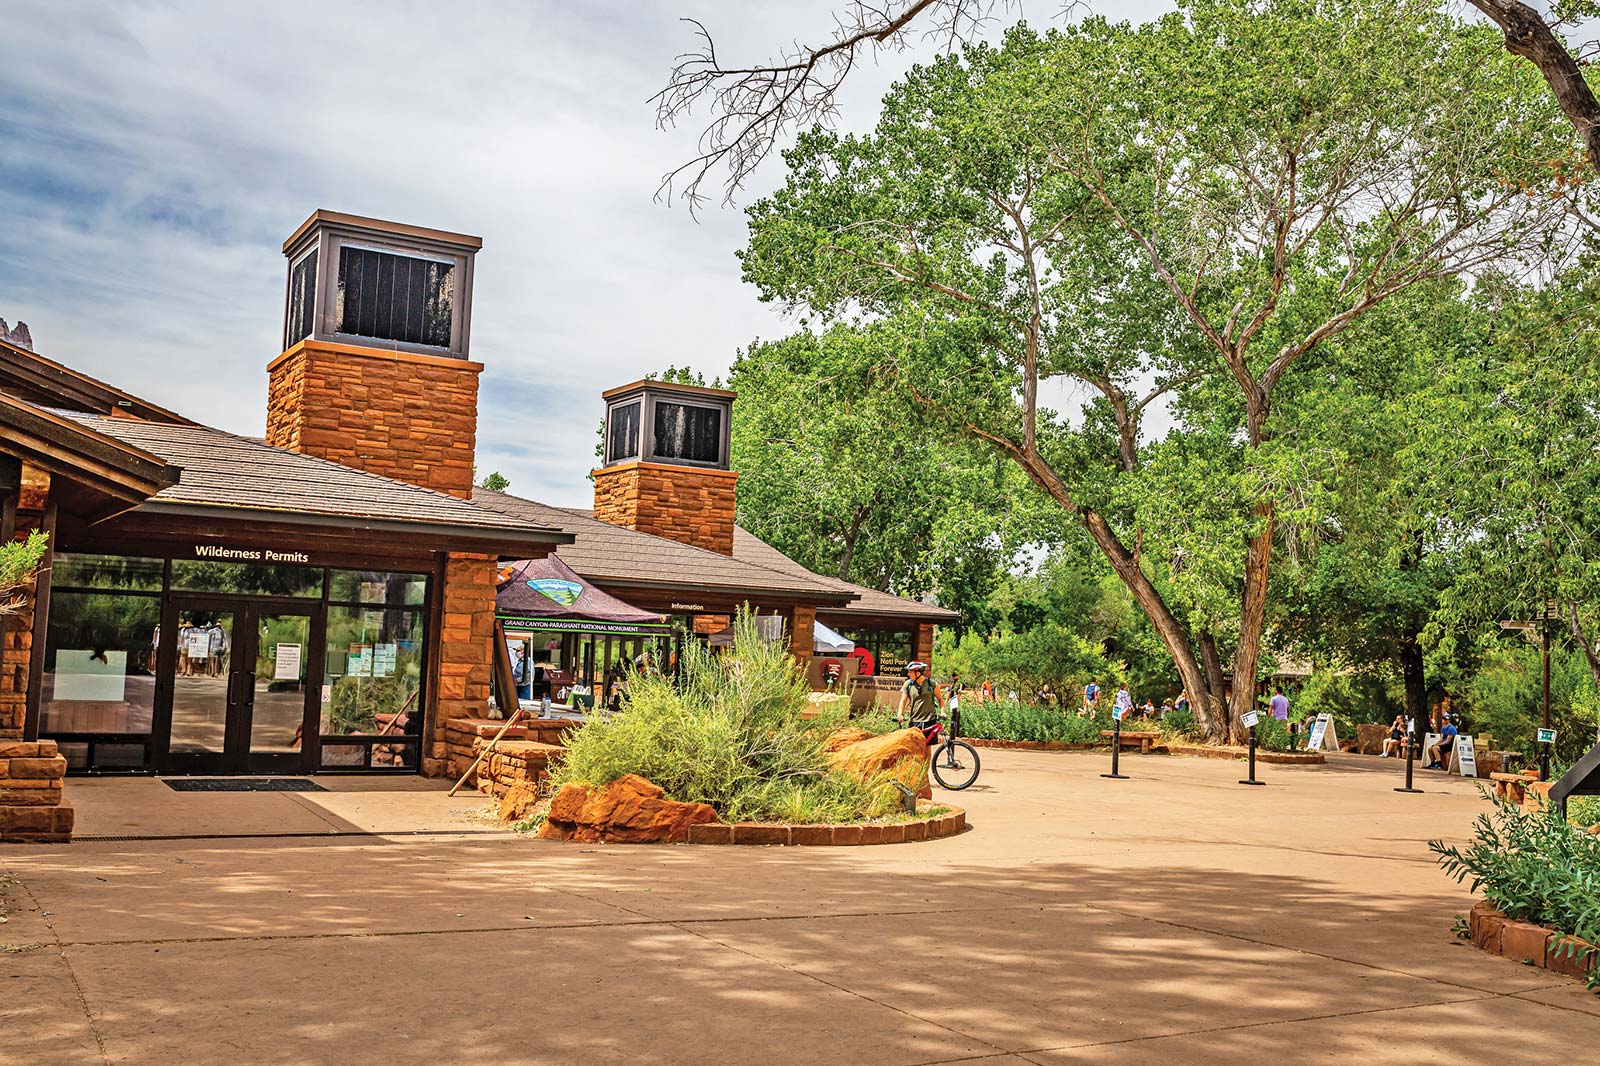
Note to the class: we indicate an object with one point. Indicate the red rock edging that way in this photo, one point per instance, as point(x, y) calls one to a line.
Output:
point(1034, 745)
point(836, 835)
point(1525, 942)
point(1304, 758)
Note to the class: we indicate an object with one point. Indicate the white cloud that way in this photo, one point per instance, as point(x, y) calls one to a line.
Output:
point(154, 155)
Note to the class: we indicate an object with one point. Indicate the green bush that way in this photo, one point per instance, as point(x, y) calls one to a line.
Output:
point(726, 732)
point(1013, 720)
point(1534, 866)
point(1180, 724)
point(1273, 735)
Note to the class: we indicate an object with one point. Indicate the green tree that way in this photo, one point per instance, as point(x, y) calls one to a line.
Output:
point(1194, 204)
point(495, 481)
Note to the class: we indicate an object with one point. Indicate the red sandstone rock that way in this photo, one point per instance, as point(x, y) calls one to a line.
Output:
point(518, 803)
point(629, 810)
point(905, 751)
point(845, 737)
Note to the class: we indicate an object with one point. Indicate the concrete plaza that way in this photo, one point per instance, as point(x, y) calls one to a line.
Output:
point(1173, 918)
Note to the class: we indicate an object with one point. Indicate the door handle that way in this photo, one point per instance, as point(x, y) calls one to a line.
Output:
point(233, 687)
point(249, 694)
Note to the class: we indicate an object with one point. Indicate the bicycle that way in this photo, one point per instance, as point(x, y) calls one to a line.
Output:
point(952, 761)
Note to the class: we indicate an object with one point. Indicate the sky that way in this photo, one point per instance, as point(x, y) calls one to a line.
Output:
point(154, 155)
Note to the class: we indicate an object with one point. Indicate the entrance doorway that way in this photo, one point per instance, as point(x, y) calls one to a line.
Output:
point(234, 695)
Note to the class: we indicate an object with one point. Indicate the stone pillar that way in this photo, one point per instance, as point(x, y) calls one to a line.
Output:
point(802, 637)
point(924, 643)
point(410, 417)
point(691, 505)
point(466, 650)
point(32, 808)
point(16, 649)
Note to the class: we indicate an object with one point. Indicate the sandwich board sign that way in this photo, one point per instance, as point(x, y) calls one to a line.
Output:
point(1323, 735)
point(1463, 759)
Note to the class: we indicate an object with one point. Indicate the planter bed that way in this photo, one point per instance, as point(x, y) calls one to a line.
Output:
point(1307, 758)
point(1034, 745)
point(1530, 944)
point(953, 821)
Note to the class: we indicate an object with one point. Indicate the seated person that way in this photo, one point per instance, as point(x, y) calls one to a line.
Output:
point(1394, 744)
point(1439, 753)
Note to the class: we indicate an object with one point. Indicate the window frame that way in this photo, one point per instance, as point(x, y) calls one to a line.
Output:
point(649, 398)
point(329, 239)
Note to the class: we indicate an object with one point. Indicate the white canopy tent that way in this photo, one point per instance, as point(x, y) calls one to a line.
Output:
point(827, 642)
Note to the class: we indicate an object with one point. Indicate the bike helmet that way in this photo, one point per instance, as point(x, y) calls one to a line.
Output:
point(916, 664)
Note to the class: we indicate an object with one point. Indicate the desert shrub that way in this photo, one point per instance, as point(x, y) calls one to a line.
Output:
point(1180, 725)
point(1013, 720)
point(1273, 735)
point(1534, 866)
point(727, 732)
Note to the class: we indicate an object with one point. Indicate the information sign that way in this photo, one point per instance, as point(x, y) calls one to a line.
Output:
point(1464, 757)
point(1319, 732)
point(1250, 718)
point(286, 662)
point(1547, 736)
point(383, 659)
point(360, 661)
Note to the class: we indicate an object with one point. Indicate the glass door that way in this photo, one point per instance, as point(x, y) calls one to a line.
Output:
point(236, 698)
point(279, 697)
point(202, 689)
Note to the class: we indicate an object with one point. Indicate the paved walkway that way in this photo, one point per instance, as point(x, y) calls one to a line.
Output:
point(1174, 918)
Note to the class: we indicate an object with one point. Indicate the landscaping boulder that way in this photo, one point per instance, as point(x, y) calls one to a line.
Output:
point(518, 803)
point(872, 755)
point(845, 737)
point(629, 810)
point(1370, 737)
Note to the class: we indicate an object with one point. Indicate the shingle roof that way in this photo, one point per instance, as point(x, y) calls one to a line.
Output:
point(226, 471)
point(749, 547)
point(604, 552)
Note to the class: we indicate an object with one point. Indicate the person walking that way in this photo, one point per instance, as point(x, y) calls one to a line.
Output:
point(1091, 698)
point(1123, 703)
point(1279, 704)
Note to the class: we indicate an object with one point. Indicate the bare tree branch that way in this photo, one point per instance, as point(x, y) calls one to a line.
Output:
point(1529, 36)
point(749, 108)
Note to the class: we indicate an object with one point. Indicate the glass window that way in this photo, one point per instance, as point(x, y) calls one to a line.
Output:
point(895, 648)
point(377, 586)
point(99, 663)
point(372, 672)
point(395, 297)
point(683, 431)
point(125, 573)
point(624, 443)
point(302, 299)
point(261, 579)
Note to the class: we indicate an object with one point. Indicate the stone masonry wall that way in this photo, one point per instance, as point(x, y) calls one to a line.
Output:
point(466, 648)
point(802, 633)
point(410, 417)
point(16, 645)
point(925, 642)
point(686, 504)
point(32, 808)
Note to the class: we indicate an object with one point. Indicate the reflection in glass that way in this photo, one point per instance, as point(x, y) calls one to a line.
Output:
point(201, 690)
point(372, 678)
point(261, 579)
point(124, 573)
point(99, 663)
point(684, 431)
point(277, 716)
point(377, 586)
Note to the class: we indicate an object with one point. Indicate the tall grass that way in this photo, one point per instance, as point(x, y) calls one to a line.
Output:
point(727, 732)
point(1013, 720)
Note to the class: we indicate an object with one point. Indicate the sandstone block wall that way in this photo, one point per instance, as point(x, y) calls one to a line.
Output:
point(690, 505)
point(31, 804)
point(410, 417)
point(466, 647)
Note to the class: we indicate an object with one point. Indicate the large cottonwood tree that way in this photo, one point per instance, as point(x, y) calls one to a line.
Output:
point(1135, 209)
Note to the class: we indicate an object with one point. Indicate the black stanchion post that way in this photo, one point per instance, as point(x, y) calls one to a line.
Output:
point(1251, 780)
point(1411, 751)
point(1116, 746)
point(1544, 761)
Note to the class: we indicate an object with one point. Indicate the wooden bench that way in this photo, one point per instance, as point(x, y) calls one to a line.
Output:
point(1133, 738)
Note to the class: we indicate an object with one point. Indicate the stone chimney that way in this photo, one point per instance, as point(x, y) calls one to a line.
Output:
point(374, 372)
point(666, 455)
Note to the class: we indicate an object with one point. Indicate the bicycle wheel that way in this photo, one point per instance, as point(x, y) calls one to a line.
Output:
point(954, 765)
